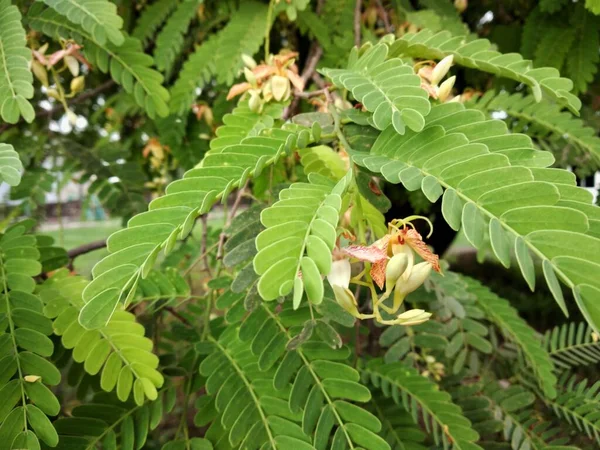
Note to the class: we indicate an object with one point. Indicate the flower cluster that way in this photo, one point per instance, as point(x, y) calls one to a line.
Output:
point(271, 80)
point(431, 77)
point(392, 268)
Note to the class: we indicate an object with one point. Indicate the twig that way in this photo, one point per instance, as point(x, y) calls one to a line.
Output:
point(311, 62)
point(86, 248)
point(384, 16)
point(357, 11)
point(236, 204)
point(330, 94)
point(316, 93)
point(80, 98)
point(314, 55)
point(202, 256)
point(177, 315)
point(83, 249)
point(203, 244)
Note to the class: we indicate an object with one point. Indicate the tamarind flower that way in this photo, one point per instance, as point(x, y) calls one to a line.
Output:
point(412, 317)
point(339, 279)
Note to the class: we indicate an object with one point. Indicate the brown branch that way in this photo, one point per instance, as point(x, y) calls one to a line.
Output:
point(357, 17)
point(203, 248)
point(236, 204)
point(86, 248)
point(384, 16)
point(83, 249)
point(80, 98)
point(314, 55)
point(178, 316)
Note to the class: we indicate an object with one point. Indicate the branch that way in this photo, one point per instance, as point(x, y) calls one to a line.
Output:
point(83, 249)
point(178, 316)
point(384, 16)
point(80, 98)
point(86, 248)
point(312, 60)
point(230, 216)
point(357, 11)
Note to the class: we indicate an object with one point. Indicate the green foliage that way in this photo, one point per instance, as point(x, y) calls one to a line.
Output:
point(517, 331)
point(573, 344)
point(323, 386)
point(10, 165)
point(387, 88)
point(478, 55)
point(151, 19)
point(118, 350)
point(398, 428)
point(498, 187)
point(171, 217)
point(551, 6)
point(15, 78)
point(24, 346)
point(300, 235)
point(169, 42)
point(217, 328)
point(423, 399)
point(578, 404)
point(544, 121)
point(127, 64)
point(112, 423)
point(244, 34)
point(513, 405)
point(582, 63)
point(194, 75)
point(100, 18)
point(232, 379)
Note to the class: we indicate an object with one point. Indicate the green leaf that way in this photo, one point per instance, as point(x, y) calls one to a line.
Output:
point(525, 262)
point(398, 101)
point(477, 54)
point(99, 17)
point(41, 425)
point(10, 165)
point(300, 235)
point(16, 80)
point(97, 312)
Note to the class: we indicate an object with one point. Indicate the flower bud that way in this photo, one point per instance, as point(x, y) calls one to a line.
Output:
point(248, 61)
point(406, 285)
point(412, 317)
point(394, 270)
point(40, 72)
point(266, 92)
point(340, 273)
point(51, 92)
point(280, 86)
point(346, 299)
point(255, 103)
point(72, 117)
point(460, 5)
point(250, 78)
point(419, 273)
point(446, 88)
point(441, 69)
point(77, 84)
point(72, 64)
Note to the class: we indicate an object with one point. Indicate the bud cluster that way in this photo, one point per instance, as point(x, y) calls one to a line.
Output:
point(269, 81)
point(431, 77)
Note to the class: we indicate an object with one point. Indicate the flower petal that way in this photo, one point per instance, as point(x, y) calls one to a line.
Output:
point(415, 241)
point(340, 273)
point(378, 272)
point(370, 254)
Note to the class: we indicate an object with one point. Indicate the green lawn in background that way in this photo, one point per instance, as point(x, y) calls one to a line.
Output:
point(74, 237)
